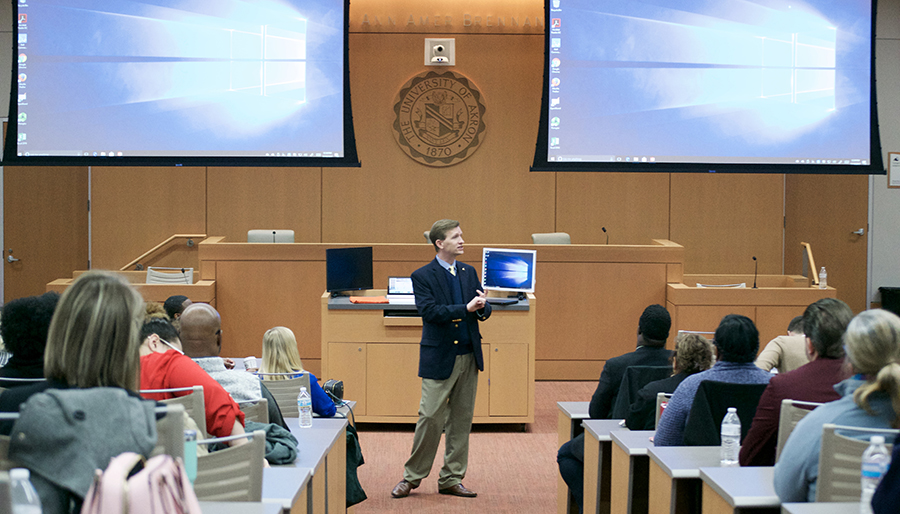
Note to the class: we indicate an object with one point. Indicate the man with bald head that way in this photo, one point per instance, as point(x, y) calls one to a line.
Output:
point(201, 339)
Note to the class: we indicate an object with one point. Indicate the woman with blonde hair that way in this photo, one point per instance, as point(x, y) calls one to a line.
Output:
point(280, 355)
point(870, 399)
point(88, 405)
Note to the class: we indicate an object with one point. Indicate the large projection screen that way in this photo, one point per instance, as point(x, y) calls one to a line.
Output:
point(180, 82)
point(778, 86)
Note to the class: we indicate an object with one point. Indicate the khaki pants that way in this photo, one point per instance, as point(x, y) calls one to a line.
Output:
point(447, 406)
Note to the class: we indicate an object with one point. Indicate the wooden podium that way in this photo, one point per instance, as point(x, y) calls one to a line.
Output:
point(374, 349)
point(771, 306)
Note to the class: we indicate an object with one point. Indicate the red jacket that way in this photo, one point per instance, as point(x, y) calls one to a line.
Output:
point(172, 369)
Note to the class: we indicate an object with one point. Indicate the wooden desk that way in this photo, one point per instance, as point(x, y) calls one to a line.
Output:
point(739, 490)
point(239, 508)
point(675, 485)
point(375, 347)
point(323, 449)
point(568, 426)
point(629, 468)
point(820, 508)
point(597, 461)
point(287, 488)
point(777, 299)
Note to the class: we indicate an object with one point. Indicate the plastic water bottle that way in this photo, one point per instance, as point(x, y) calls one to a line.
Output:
point(24, 498)
point(731, 439)
point(190, 454)
point(304, 405)
point(875, 463)
point(823, 278)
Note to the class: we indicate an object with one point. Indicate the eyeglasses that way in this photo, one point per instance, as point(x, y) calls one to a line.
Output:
point(170, 345)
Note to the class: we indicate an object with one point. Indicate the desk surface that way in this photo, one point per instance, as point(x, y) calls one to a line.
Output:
point(743, 487)
point(239, 508)
point(600, 428)
point(634, 442)
point(820, 508)
point(283, 486)
point(574, 410)
point(315, 442)
point(684, 461)
point(343, 302)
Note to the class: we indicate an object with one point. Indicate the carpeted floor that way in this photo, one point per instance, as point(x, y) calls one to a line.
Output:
point(512, 471)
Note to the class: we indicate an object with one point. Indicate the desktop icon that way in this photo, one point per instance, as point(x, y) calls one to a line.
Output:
point(554, 141)
point(23, 38)
point(21, 97)
point(554, 122)
point(23, 18)
point(556, 4)
point(22, 117)
point(555, 23)
point(21, 136)
point(22, 77)
point(554, 102)
point(555, 62)
point(22, 1)
point(554, 82)
point(555, 42)
point(22, 58)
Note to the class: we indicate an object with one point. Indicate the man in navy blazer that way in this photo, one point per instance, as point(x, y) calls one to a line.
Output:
point(451, 302)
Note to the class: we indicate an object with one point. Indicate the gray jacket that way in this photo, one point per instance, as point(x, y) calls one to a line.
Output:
point(63, 435)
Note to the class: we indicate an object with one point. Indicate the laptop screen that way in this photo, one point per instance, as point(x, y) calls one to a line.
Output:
point(400, 285)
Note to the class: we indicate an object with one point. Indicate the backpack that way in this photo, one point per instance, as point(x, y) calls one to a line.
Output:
point(161, 487)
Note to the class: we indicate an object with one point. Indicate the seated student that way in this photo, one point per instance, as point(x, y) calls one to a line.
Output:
point(736, 341)
point(785, 353)
point(280, 355)
point(89, 405)
point(825, 322)
point(870, 399)
point(24, 331)
point(175, 305)
point(693, 354)
point(164, 366)
point(201, 336)
point(653, 330)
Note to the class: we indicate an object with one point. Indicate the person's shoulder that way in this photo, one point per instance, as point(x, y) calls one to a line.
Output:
point(424, 269)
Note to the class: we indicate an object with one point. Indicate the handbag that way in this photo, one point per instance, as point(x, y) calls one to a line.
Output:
point(161, 487)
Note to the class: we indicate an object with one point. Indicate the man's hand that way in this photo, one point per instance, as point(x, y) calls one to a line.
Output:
point(477, 303)
point(229, 363)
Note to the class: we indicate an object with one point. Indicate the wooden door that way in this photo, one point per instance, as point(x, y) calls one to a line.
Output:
point(45, 226)
point(824, 211)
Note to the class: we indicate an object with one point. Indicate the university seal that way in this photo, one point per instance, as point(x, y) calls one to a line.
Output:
point(439, 118)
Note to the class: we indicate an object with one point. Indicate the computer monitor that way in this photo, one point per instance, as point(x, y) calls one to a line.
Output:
point(508, 270)
point(348, 269)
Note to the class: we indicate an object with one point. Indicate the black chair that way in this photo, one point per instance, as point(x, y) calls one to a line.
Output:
point(710, 405)
point(636, 377)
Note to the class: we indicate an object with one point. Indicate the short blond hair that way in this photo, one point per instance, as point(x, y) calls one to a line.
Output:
point(279, 353)
point(439, 231)
point(94, 335)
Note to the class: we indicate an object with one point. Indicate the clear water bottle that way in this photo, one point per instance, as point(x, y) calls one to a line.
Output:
point(24, 498)
point(875, 462)
point(304, 405)
point(731, 439)
point(823, 278)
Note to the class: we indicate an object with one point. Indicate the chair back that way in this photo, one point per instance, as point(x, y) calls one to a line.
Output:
point(662, 399)
point(427, 235)
point(270, 236)
point(170, 431)
point(232, 474)
point(635, 378)
point(9, 382)
point(257, 411)
point(193, 403)
point(285, 393)
point(5, 493)
point(792, 411)
point(551, 238)
point(840, 460)
point(710, 405)
point(159, 275)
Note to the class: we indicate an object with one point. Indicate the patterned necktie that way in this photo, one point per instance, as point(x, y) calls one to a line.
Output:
point(453, 270)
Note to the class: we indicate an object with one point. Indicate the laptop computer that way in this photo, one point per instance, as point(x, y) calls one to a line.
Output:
point(400, 291)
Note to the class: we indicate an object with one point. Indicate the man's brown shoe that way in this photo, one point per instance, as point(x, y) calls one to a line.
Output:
point(402, 489)
point(458, 490)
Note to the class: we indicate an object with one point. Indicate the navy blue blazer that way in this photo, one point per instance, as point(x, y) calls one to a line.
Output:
point(437, 353)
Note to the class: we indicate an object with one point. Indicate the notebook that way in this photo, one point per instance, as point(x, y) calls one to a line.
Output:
point(400, 291)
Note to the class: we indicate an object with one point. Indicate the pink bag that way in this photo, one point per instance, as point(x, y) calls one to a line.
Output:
point(162, 487)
